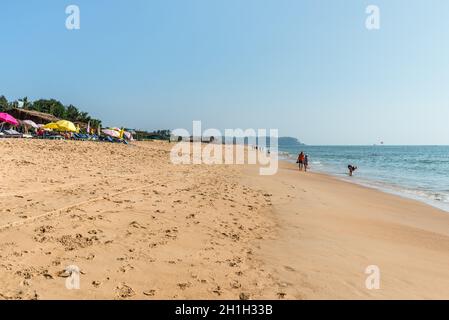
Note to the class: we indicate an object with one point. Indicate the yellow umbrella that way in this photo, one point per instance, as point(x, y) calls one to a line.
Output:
point(64, 125)
point(51, 125)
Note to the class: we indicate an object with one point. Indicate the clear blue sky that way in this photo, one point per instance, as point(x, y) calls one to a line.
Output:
point(309, 68)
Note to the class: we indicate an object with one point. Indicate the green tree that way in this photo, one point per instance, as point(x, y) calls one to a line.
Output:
point(51, 106)
point(42, 105)
point(26, 103)
point(71, 113)
point(4, 104)
point(83, 117)
point(13, 104)
point(58, 110)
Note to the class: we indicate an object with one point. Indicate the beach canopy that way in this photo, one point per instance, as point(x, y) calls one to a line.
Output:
point(30, 123)
point(65, 125)
point(62, 125)
point(51, 125)
point(112, 133)
point(4, 117)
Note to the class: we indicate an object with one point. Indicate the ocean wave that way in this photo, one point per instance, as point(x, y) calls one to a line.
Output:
point(439, 200)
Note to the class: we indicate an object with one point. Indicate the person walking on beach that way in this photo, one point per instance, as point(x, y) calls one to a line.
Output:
point(351, 169)
point(300, 160)
point(306, 162)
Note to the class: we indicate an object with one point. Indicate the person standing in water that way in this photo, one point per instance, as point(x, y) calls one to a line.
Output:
point(306, 162)
point(351, 169)
point(300, 160)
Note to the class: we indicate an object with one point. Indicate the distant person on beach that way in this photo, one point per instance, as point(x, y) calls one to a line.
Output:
point(306, 162)
point(351, 169)
point(300, 160)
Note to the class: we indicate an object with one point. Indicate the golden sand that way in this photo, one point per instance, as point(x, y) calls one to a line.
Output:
point(139, 227)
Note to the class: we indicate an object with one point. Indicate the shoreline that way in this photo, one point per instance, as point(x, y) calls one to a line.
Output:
point(349, 181)
point(403, 191)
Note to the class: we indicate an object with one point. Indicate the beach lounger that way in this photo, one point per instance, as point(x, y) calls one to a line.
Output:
point(56, 137)
point(80, 136)
point(106, 139)
point(93, 137)
point(11, 133)
point(52, 136)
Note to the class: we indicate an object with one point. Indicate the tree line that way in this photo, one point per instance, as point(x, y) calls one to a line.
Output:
point(50, 106)
point(154, 135)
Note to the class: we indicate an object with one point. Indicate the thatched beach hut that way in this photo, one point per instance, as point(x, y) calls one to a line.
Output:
point(36, 116)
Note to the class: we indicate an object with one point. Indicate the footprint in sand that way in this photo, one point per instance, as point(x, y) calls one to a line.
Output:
point(90, 256)
point(244, 296)
point(56, 263)
point(124, 291)
point(136, 225)
point(149, 293)
point(184, 286)
point(235, 284)
point(281, 295)
point(126, 268)
point(42, 233)
point(217, 290)
point(288, 268)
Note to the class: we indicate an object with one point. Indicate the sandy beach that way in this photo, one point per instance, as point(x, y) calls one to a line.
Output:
point(135, 225)
point(139, 227)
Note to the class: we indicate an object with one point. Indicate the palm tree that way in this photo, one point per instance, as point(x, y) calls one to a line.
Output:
point(25, 103)
point(3, 103)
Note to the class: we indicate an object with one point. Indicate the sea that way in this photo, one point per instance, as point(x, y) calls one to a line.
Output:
point(416, 172)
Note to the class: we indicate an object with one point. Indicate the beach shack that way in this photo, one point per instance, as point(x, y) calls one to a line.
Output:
point(36, 116)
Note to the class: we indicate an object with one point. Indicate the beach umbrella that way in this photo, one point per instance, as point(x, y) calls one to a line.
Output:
point(111, 133)
point(31, 123)
point(51, 125)
point(5, 117)
point(64, 125)
point(128, 135)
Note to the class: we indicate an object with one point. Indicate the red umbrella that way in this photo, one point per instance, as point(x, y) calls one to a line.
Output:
point(4, 117)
